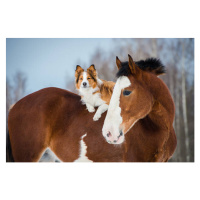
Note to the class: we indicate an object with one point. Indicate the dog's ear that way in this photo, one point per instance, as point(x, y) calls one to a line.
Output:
point(78, 70)
point(92, 71)
point(91, 68)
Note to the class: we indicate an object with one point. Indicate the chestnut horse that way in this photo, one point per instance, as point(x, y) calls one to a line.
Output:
point(141, 102)
point(54, 119)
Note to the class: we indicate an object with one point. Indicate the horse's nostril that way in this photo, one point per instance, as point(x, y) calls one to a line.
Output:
point(108, 134)
point(121, 133)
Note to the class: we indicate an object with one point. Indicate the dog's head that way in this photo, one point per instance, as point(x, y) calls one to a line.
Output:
point(85, 79)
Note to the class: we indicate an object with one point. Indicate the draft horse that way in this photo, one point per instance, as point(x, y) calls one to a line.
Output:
point(141, 103)
point(55, 119)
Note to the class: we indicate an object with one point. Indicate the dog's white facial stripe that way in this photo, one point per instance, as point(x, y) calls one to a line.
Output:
point(85, 79)
point(113, 118)
point(84, 76)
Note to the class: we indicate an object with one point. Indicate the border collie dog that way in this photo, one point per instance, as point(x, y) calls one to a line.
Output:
point(94, 92)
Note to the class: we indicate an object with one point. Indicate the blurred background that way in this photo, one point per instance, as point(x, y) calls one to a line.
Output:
point(33, 64)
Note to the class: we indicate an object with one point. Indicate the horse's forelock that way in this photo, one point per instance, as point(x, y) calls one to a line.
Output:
point(124, 70)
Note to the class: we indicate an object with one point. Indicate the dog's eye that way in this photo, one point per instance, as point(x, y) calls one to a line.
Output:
point(81, 79)
point(126, 92)
point(88, 78)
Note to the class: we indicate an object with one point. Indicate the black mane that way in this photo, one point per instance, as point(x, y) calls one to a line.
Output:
point(152, 65)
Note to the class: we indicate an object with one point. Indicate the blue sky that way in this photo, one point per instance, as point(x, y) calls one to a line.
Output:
point(48, 62)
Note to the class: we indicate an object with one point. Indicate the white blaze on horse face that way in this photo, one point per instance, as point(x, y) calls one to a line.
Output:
point(113, 118)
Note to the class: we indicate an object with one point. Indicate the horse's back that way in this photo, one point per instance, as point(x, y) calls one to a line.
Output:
point(32, 120)
point(55, 118)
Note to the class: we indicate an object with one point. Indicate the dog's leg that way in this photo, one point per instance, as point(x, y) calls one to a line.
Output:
point(90, 107)
point(101, 109)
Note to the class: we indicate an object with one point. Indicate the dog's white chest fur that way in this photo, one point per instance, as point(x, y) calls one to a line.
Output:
point(89, 97)
point(93, 100)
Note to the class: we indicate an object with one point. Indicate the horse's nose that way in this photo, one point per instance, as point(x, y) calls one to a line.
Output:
point(84, 83)
point(109, 134)
point(121, 133)
point(113, 139)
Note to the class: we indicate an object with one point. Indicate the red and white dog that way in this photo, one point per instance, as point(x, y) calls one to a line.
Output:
point(94, 92)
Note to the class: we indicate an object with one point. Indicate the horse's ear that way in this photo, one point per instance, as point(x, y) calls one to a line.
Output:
point(133, 67)
point(118, 62)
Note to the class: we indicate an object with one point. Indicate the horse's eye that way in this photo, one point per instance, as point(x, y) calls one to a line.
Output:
point(126, 92)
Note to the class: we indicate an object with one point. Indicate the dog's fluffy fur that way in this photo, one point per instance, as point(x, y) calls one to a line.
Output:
point(94, 91)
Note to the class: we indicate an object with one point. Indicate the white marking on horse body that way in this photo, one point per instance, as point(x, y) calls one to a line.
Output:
point(83, 151)
point(49, 156)
point(113, 118)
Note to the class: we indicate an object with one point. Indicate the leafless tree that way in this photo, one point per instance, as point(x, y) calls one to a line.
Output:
point(184, 102)
point(15, 90)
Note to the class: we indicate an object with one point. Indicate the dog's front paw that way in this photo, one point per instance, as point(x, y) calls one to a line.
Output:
point(90, 109)
point(96, 117)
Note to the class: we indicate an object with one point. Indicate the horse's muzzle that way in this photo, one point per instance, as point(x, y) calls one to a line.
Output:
point(112, 139)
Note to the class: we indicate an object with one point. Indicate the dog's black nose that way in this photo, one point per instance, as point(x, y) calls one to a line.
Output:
point(84, 83)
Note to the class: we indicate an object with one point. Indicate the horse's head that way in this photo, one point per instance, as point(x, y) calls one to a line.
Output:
point(131, 100)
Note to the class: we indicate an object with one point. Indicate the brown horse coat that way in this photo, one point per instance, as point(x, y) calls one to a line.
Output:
point(55, 118)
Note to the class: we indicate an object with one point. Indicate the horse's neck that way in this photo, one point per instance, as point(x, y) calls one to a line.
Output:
point(163, 110)
point(160, 116)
